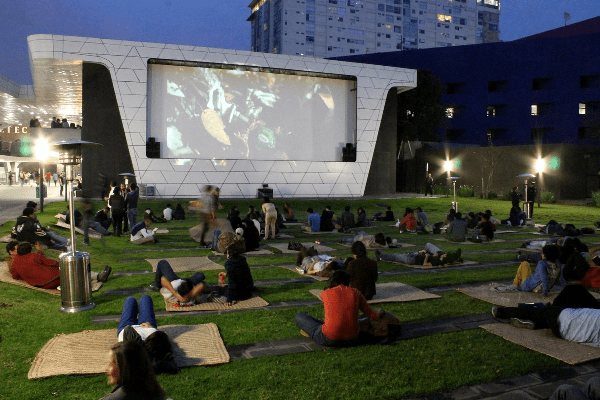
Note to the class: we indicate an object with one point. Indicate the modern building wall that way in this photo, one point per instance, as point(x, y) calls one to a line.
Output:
point(529, 91)
point(331, 28)
point(127, 65)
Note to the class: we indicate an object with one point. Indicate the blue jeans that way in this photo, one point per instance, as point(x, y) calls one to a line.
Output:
point(215, 240)
point(134, 314)
point(406, 258)
point(570, 392)
point(132, 217)
point(164, 269)
point(313, 327)
point(57, 238)
point(87, 224)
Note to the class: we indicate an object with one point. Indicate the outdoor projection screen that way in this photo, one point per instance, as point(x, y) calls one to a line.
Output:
point(219, 112)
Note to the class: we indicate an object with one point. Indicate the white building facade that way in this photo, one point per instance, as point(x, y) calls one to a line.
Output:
point(332, 28)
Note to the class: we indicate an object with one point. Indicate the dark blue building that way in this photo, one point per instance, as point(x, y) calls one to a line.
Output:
point(540, 89)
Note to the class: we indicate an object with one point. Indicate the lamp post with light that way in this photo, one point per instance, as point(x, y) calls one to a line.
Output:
point(41, 151)
point(75, 280)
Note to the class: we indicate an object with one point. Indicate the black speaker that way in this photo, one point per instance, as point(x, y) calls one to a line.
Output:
point(152, 148)
point(349, 153)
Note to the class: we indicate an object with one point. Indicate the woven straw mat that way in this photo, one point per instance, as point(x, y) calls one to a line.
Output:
point(253, 302)
point(181, 264)
point(393, 292)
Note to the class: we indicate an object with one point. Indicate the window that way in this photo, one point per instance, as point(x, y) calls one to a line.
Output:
point(496, 86)
point(586, 132)
point(541, 84)
point(444, 18)
point(454, 134)
point(495, 134)
point(450, 112)
point(397, 29)
point(454, 87)
point(582, 108)
point(538, 134)
point(541, 109)
point(491, 111)
point(589, 81)
point(534, 109)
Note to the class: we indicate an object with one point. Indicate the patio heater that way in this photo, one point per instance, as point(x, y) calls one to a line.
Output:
point(75, 281)
point(453, 179)
point(528, 204)
point(126, 177)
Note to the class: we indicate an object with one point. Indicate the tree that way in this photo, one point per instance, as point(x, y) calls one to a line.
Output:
point(420, 112)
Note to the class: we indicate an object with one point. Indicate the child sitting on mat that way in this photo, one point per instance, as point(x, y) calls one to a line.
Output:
point(342, 304)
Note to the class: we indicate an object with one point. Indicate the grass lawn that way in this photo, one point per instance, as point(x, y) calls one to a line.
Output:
point(406, 368)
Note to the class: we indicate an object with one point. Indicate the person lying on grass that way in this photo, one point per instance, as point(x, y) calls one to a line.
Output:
point(138, 324)
point(546, 274)
point(40, 271)
point(430, 256)
point(342, 305)
point(574, 315)
point(173, 288)
point(370, 241)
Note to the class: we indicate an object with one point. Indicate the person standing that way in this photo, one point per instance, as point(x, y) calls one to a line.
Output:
point(208, 212)
point(270, 212)
point(132, 204)
point(117, 205)
point(429, 185)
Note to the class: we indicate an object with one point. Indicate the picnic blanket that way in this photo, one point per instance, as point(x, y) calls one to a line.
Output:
point(284, 247)
point(393, 292)
point(297, 270)
point(253, 302)
point(92, 233)
point(543, 341)
point(87, 352)
point(260, 252)
point(464, 262)
point(489, 293)
point(6, 277)
point(182, 264)
point(6, 238)
point(396, 246)
point(469, 242)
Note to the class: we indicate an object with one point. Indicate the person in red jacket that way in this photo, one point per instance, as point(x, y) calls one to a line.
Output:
point(342, 304)
point(409, 221)
point(41, 271)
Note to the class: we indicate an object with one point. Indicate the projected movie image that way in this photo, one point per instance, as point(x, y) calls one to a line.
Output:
point(218, 113)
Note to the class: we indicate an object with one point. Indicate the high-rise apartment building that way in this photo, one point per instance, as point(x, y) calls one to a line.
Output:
point(331, 28)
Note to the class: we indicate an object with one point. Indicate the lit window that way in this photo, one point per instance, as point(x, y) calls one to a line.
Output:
point(450, 112)
point(534, 109)
point(582, 108)
point(491, 111)
point(444, 18)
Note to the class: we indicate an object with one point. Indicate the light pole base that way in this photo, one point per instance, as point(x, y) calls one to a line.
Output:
point(74, 309)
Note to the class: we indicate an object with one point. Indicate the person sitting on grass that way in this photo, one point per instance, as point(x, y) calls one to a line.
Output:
point(363, 271)
point(130, 371)
point(314, 221)
point(457, 230)
point(168, 212)
point(179, 212)
point(574, 315)
point(11, 249)
point(370, 241)
point(347, 220)
point(546, 274)
point(389, 214)
point(173, 288)
point(40, 271)
point(361, 218)
point(342, 305)
point(431, 256)
point(239, 278)
point(140, 234)
point(409, 222)
point(138, 324)
point(149, 214)
point(29, 230)
point(486, 227)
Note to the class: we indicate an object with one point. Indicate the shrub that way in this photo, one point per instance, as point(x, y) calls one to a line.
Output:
point(596, 198)
point(440, 190)
point(465, 191)
point(507, 195)
point(547, 197)
point(492, 195)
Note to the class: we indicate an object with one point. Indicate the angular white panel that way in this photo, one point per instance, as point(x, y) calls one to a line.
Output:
point(137, 88)
point(152, 177)
point(305, 191)
point(93, 40)
point(294, 177)
point(174, 176)
point(131, 112)
point(258, 177)
point(242, 165)
point(346, 178)
point(187, 190)
point(136, 139)
point(262, 165)
point(356, 190)
point(335, 166)
point(317, 167)
point(281, 166)
point(379, 83)
point(257, 60)
point(167, 191)
point(215, 57)
point(300, 166)
point(125, 75)
point(315, 66)
point(148, 52)
point(296, 65)
point(275, 177)
point(133, 63)
point(385, 74)
point(138, 126)
point(350, 69)
point(236, 177)
point(324, 190)
point(333, 69)
point(142, 74)
point(203, 165)
point(371, 104)
point(185, 47)
point(216, 178)
point(368, 71)
point(230, 190)
point(328, 177)
point(278, 62)
point(114, 61)
point(311, 178)
point(171, 54)
point(362, 113)
point(132, 100)
point(195, 177)
point(93, 48)
point(194, 55)
point(236, 58)
point(284, 190)
point(179, 167)
point(111, 41)
point(117, 50)
point(340, 191)
point(141, 114)
point(248, 190)
point(71, 47)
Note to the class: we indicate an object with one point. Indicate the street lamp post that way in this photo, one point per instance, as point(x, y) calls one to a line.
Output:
point(75, 281)
point(41, 151)
point(453, 179)
point(527, 204)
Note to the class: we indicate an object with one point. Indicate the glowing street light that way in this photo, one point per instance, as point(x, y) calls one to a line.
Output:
point(540, 165)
